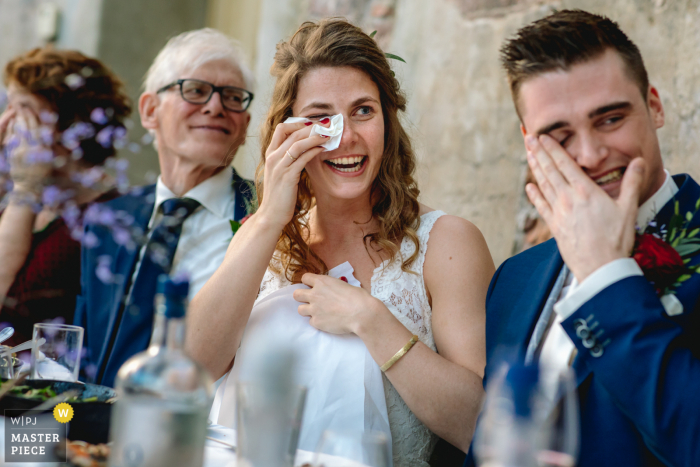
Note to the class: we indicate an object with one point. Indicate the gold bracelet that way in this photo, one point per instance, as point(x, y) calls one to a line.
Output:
point(400, 353)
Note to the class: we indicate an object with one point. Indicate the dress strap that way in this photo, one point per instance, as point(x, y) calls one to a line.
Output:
point(427, 221)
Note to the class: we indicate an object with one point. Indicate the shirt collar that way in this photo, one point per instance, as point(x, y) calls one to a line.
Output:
point(651, 207)
point(214, 193)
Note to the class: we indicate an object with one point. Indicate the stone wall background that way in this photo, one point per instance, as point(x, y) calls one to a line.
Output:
point(460, 112)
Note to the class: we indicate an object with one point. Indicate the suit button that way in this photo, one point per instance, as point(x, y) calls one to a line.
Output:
point(580, 322)
point(582, 332)
point(597, 351)
point(589, 341)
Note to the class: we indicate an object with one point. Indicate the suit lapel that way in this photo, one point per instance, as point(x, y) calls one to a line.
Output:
point(141, 207)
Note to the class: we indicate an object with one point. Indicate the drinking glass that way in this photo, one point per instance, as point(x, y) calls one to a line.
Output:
point(530, 418)
point(268, 421)
point(56, 351)
point(352, 449)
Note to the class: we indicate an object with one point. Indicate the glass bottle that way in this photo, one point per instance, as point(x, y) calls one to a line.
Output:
point(160, 418)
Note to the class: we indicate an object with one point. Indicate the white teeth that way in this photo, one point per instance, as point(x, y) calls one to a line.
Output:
point(356, 161)
point(610, 177)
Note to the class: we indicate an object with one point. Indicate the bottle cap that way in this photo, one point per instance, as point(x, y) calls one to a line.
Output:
point(178, 286)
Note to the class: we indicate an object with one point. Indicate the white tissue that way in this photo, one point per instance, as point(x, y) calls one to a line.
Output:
point(334, 131)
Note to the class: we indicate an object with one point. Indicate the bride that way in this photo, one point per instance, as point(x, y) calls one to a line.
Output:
point(421, 272)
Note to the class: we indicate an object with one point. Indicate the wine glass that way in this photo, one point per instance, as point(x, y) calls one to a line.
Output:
point(530, 419)
point(352, 449)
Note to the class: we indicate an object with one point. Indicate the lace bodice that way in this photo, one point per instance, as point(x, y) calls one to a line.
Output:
point(405, 296)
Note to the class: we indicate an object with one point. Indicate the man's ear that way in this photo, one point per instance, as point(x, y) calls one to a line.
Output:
point(148, 103)
point(656, 108)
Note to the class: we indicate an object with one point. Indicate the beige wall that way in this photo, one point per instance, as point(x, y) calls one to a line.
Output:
point(460, 113)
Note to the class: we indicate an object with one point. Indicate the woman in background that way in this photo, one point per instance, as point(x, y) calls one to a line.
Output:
point(64, 112)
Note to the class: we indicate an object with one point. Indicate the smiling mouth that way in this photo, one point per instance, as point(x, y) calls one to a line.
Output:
point(610, 177)
point(216, 128)
point(347, 164)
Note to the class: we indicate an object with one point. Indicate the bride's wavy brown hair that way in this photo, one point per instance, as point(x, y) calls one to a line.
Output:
point(337, 43)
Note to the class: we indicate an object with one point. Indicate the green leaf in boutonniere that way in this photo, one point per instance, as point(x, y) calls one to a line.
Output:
point(235, 225)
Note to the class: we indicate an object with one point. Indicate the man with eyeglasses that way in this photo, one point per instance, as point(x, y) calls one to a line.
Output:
point(195, 102)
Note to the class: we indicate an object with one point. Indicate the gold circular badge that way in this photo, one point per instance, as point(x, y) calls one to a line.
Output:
point(63, 413)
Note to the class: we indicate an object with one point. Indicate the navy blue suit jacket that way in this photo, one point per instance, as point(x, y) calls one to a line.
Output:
point(640, 400)
point(109, 338)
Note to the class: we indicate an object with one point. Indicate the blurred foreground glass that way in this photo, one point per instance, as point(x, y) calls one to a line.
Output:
point(530, 419)
point(268, 421)
point(7, 370)
point(347, 449)
point(58, 358)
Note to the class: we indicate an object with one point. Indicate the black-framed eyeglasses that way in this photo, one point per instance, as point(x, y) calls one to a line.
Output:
point(196, 91)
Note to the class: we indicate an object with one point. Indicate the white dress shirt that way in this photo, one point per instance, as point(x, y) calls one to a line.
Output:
point(206, 233)
point(558, 347)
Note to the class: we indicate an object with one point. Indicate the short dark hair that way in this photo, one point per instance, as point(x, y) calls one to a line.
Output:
point(45, 72)
point(563, 39)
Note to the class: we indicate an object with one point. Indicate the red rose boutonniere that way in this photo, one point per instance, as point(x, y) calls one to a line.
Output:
point(664, 257)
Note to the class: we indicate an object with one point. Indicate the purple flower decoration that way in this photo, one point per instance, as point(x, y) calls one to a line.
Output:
point(92, 214)
point(37, 156)
point(71, 214)
point(57, 320)
point(48, 118)
point(51, 196)
point(46, 135)
point(147, 139)
point(98, 116)
point(91, 371)
point(121, 236)
point(104, 273)
point(122, 165)
point(104, 137)
point(107, 217)
point(120, 137)
point(135, 148)
point(90, 240)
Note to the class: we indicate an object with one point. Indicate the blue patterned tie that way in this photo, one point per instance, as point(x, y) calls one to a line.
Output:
point(159, 254)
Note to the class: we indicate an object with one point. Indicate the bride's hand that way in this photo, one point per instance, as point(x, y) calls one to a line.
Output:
point(334, 306)
point(290, 149)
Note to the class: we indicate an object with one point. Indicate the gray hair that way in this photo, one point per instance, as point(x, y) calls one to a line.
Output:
point(188, 51)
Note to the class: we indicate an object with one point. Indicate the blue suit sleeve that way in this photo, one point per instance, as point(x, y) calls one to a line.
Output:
point(647, 362)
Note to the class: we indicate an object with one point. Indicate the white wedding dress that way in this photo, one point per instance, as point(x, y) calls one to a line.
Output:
point(405, 296)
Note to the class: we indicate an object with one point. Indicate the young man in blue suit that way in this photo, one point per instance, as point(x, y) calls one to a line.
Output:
point(589, 119)
point(195, 105)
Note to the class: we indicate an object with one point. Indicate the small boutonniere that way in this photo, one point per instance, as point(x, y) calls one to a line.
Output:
point(664, 256)
point(235, 225)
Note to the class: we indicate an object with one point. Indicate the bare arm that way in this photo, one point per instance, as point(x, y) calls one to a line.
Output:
point(444, 390)
point(218, 314)
point(16, 225)
point(17, 221)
